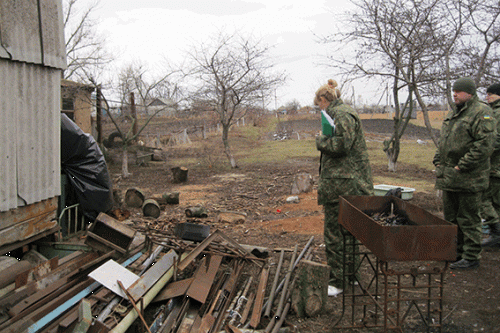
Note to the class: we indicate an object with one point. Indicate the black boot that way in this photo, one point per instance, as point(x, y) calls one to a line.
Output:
point(494, 236)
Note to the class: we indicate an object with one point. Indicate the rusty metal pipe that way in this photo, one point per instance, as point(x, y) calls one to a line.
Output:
point(111, 305)
point(287, 281)
point(126, 322)
point(270, 300)
point(302, 253)
point(282, 318)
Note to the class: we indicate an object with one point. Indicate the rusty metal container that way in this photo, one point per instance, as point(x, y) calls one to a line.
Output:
point(428, 238)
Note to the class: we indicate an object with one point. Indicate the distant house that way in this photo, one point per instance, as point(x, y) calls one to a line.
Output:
point(165, 106)
point(76, 103)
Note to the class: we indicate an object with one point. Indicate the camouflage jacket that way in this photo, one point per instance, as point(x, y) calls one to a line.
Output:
point(467, 141)
point(344, 165)
point(495, 157)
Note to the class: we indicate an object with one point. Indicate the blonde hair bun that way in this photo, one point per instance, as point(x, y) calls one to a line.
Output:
point(328, 91)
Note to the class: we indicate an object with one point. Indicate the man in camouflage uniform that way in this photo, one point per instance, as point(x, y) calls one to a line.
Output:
point(491, 202)
point(344, 170)
point(462, 163)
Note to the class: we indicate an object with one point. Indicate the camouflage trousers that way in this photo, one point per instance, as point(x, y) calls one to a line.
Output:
point(462, 209)
point(334, 247)
point(490, 210)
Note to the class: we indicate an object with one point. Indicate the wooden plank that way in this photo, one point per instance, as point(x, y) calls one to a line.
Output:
point(12, 247)
point(101, 244)
point(37, 299)
point(25, 320)
point(72, 316)
point(21, 214)
point(62, 272)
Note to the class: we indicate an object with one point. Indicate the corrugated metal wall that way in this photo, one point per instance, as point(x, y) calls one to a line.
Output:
point(31, 59)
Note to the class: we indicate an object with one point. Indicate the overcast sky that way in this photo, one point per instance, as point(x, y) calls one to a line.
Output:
point(151, 30)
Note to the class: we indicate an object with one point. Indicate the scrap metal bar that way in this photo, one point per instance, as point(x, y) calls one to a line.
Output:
point(33, 287)
point(71, 302)
point(287, 281)
point(131, 299)
point(302, 253)
point(259, 298)
point(111, 305)
point(241, 299)
point(248, 306)
point(174, 289)
point(147, 298)
point(151, 276)
point(197, 251)
point(229, 288)
point(282, 318)
point(270, 300)
point(204, 278)
point(217, 233)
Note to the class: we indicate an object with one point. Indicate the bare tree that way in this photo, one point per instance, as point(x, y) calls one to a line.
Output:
point(234, 73)
point(137, 78)
point(482, 55)
point(293, 106)
point(403, 43)
point(86, 54)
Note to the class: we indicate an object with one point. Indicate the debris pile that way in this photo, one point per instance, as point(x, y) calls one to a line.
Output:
point(388, 219)
point(155, 279)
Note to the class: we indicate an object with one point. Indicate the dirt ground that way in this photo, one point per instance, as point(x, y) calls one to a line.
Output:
point(471, 298)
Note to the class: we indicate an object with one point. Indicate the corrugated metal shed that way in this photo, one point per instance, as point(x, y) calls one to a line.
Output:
point(32, 31)
point(32, 56)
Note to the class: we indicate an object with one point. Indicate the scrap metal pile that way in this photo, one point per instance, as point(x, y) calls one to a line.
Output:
point(165, 284)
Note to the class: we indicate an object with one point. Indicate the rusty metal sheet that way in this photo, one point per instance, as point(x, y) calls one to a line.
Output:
point(173, 289)
point(204, 278)
point(151, 276)
point(35, 273)
point(430, 238)
point(259, 298)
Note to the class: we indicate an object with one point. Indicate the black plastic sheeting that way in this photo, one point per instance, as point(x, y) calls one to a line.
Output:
point(83, 162)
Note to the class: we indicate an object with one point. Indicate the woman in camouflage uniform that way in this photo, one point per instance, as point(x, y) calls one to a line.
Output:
point(344, 170)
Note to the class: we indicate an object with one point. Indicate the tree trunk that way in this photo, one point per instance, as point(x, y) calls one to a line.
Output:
point(227, 149)
point(151, 208)
point(309, 296)
point(179, 174)
point(426, 118)
point(125, 173)
point(171, 198)
point(198, 211)
point(134, 198)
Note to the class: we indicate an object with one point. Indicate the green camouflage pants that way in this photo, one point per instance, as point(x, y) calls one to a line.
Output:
point(462, 209)
point(334, 246)
point(490, 210)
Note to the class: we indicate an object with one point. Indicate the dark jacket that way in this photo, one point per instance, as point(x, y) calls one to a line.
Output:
point(467, 141)
point(344, 166)
point(495, 156)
